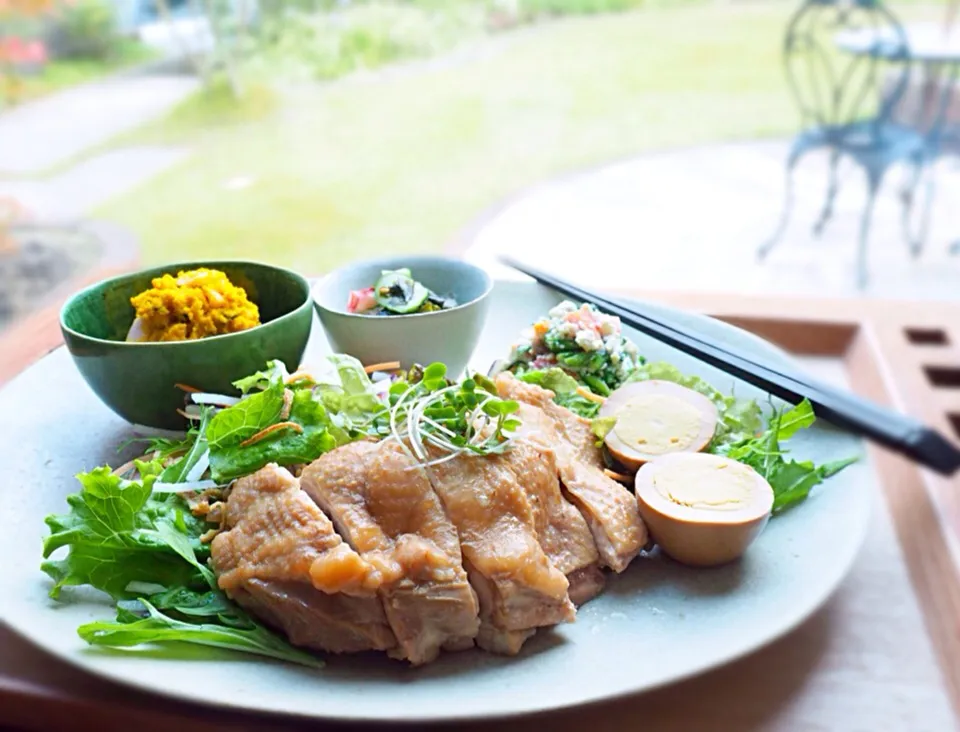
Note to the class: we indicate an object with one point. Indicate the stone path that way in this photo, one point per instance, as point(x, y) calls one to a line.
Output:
point(52, 130)
point(91, 182)
point(691, 220)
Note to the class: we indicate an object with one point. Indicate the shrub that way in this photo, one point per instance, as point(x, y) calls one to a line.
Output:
point(576, 7)
point(85, 29)
point(366, 35)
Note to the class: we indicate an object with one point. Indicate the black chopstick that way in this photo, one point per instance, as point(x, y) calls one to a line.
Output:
point(848, 411)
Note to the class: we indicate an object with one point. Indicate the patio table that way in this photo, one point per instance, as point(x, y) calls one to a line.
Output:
point(935, 48)
point(883, 654)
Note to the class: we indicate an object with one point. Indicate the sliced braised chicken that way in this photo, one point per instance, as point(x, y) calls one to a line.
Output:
point(609, 509)
point(314, 619)
point(281, 559)
point(417, 559)
point(519, 588)
point(562, 530)
point(383, 505)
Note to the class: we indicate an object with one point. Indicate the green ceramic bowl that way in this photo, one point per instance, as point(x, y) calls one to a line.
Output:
point(449, 336)
point(137, 380)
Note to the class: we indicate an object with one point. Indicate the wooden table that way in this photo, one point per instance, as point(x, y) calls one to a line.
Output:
point(883, 654)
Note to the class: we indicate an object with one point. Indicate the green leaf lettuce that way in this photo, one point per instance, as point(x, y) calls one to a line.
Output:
point(111, 535)
point(327, 414)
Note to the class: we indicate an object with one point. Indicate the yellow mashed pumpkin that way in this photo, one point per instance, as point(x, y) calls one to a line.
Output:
point(194, 304)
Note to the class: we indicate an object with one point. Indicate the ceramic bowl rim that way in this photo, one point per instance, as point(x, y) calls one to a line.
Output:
point(294, 276)
point(488, 286)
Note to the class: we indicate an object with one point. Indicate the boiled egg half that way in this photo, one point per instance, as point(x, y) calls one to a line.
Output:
point(701, 509)
point(656, 418)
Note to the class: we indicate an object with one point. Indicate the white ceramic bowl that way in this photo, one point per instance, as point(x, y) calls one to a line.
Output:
point(449, 336)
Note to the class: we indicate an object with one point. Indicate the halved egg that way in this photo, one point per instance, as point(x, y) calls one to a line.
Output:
point(655, 418)
point(701, 509)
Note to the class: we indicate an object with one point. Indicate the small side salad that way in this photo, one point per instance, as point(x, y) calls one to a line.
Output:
point(397, 293)
point(576, 352)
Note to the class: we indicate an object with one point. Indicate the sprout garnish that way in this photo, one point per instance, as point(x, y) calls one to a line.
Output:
point(461, 418)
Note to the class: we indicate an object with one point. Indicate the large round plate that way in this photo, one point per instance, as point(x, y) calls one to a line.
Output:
point(655, 624)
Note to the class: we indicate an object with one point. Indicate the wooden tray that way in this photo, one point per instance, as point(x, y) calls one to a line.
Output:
point(884, 654)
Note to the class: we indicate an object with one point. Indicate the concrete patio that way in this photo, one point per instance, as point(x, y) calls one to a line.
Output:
point(691, 220)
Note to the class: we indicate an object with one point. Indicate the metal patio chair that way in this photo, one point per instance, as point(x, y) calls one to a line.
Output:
point(846, 97)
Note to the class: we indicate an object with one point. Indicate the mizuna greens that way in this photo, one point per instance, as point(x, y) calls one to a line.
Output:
point(791, 480)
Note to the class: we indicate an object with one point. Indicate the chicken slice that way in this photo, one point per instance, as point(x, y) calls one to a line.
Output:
point(563, 532)
point(280, 557)
point(586, 583)
point(610, 510)
point(383, 505)
point(314, 619)
point(491, 637)
point(518, 587)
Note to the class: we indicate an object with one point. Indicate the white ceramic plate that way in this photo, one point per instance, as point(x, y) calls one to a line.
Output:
point(655, 624)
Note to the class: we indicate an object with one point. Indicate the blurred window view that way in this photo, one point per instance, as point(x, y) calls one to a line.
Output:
point(643, 144)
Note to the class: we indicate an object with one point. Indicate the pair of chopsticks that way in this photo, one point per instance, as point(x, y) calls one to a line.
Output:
point(896, 431)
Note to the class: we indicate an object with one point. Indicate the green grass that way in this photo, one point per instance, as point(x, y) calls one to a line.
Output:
point(64, 73)
point(403, 162)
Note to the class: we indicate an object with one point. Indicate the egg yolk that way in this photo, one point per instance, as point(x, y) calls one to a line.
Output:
point(656, 424)
point(724, 486)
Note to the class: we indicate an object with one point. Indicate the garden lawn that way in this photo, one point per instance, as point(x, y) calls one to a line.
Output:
point(402, 161)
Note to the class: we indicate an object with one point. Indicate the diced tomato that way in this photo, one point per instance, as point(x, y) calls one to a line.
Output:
point(544, 361)
point(360, 301)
